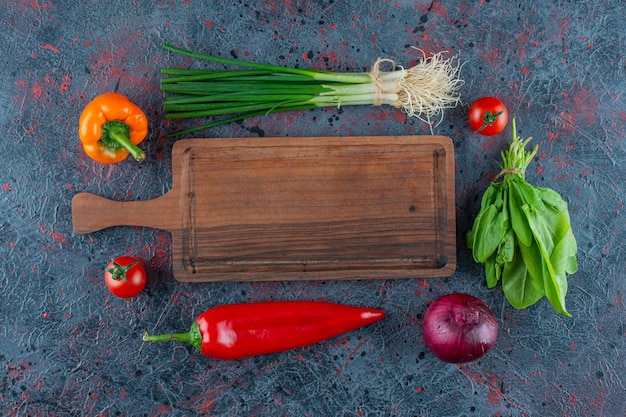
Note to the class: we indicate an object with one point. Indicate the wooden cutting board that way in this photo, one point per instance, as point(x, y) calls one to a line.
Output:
point(306, 208)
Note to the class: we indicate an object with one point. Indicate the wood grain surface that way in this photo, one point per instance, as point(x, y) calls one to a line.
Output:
point(299, 208)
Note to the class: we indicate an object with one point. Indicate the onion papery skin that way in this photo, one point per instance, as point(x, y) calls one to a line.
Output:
point(459, 328)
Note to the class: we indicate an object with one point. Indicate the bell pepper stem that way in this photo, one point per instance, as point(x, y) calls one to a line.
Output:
point(118, 135)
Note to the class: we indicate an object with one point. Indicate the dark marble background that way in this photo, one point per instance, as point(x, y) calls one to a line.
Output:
point(70, 348)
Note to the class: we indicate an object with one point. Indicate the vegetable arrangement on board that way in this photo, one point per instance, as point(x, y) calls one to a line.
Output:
point(111, 127)
point(522, 234)
point(424, 90)
point(235, 331)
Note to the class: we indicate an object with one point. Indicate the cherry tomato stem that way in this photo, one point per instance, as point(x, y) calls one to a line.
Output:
point(489, 118)
point(118, 272)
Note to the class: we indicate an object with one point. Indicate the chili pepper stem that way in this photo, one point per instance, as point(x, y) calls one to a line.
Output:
point(192, 337)
point(170, 337)
point(117, 134)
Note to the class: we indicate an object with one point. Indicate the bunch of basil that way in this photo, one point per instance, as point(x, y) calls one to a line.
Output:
point(523, 236)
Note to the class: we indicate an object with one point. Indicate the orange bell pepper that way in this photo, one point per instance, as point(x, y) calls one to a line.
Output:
point(111, 127)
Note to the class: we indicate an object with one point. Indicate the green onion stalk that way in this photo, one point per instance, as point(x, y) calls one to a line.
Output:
point(423, 91)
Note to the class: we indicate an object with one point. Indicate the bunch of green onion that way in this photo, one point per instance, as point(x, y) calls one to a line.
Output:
point(423, 91)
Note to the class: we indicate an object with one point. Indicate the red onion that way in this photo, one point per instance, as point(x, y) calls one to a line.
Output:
point(459, 328)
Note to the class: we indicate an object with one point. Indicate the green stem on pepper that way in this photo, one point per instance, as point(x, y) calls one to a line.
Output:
point(116, 134)
point(193, 337)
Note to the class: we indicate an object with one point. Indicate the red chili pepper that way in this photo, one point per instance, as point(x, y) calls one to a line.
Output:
point(235, 331)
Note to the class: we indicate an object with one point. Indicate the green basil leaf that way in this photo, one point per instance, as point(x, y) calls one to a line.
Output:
point(490, 233)
point(517, 283)
point(563, 256)
point(552, 198)
point(533, 260)
point(555, 287)
point(544, 225)
point(493, 271)
point(489, 198)
point(491, 195)
point(495, 263)
point(506, 248)
point(483, 245)
point(490, 227)
point(481, 228)
point(518, 221)
point(556, 294)
point(531, 194)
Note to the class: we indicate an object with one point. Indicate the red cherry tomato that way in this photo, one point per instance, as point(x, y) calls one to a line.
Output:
point(125, 276)
point(488, 116)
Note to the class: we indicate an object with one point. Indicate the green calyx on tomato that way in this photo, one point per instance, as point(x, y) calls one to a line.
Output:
point(118, 272)
point(489, 118)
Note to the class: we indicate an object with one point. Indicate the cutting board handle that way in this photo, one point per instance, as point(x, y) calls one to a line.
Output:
point(91, 213)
